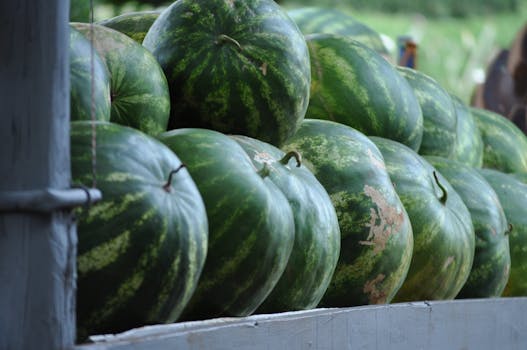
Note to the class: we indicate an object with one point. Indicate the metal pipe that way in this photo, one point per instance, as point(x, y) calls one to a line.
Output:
point(47, 200)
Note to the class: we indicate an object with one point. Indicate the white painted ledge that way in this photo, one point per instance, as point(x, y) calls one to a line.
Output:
point(479, 324)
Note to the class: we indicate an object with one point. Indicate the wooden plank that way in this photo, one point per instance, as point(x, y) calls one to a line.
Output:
point(37, 251)
point(499, 323)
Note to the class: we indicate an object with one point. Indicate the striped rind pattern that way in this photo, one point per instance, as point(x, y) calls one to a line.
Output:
point(353, 85)
point(513, 197)
point(141, 249)
point(138, 86)
point(504, 144)
point(250, 223)
point(317, 235)
point(444, 239)
point(133, 24)
point(439, 114)
point(469, 143)
point(376, 236)
point(492, 262)
point(238, 67)
point(82, 73)
point(312, 20)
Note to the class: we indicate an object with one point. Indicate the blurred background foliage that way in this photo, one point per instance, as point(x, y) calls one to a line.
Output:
point(456, 38)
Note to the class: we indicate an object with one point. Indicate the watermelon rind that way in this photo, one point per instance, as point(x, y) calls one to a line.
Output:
point(376, 236)
point(444, 238)
point(142, 248)
point(89, 81)
point(492, 261)
point(138, 87)
point(512, 194)
point(237, 67)
point(353, 85)
point(504, 144)
point(251, 225)
point(317, 235)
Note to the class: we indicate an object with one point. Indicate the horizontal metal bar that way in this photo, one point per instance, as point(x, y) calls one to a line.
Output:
point(47, 200)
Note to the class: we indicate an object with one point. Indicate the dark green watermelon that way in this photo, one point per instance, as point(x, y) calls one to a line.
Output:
point(238, 67)
point(250, 223)
point(142, 248)
point(512, 194)
point(313, 20)
point(376, 236)
point(133, 24)
point(444, 239)
point(492, 261)
point(317, 234)
point(439, 114)
point(505, 145)
point(469, 143)
point(353, 85)
point(138, 87)
point(86, 66)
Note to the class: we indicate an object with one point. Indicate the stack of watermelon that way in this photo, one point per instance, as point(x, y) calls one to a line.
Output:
point(247, 166)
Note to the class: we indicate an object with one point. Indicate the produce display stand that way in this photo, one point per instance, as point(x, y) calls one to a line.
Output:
point(38, 239)
point(479, 324)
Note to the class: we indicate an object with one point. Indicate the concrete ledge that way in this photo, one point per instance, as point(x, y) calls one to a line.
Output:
point(495, 324)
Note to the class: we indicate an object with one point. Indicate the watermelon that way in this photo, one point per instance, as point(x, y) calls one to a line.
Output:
point(512, 194)
point(251, 225)
point(142, 248)
point(468, 148)
point(86, 66)
point(317, 234)
point(505, 146)
point(138, 87)
point(133, 24)
point(238, 67)
point(353, 85)
point(520, 176)
point(439, 114)
point(376, 236)
point(313, 20)
point(492, 261)
point(444, 238)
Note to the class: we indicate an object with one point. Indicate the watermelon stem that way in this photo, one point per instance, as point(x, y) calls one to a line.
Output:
point(265, 171)
point(226, 38)
point(168, 184)
point(443, 189)
point(290, 155)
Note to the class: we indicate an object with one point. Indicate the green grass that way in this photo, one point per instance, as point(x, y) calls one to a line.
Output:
point(452, 51)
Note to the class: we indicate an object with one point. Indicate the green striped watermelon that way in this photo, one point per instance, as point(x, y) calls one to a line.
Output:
point(238, 67)
point(513, 197)
point(317, 234)
point(492, 261)
point(142, 248)
point(313, 20)
point(353, 85)
point(250, 223)
point(444, 239)
point(520, 176)
point(133, 24)
point(439, 114)
point(505, 145)
point(138, 87)
point(376, 236)
point(85, 68)
point(469, 143)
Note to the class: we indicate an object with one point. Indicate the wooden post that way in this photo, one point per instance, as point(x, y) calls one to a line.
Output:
point(37, 250)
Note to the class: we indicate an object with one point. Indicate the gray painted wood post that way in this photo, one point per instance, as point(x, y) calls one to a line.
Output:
point(37, 251)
